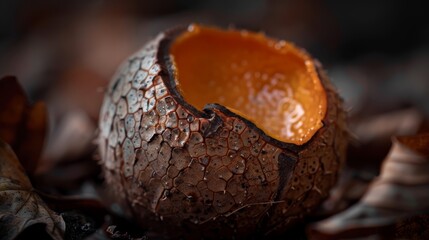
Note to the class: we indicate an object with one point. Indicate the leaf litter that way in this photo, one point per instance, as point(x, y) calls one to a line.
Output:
point(20, 205)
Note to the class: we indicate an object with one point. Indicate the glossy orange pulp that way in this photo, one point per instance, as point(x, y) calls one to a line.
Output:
point(271, 83)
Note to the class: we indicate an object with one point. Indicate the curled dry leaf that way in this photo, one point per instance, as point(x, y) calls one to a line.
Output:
point(371, 142)
point(71, 140)
point(372, 137)
point(400, 192)
point(22, 126)
point(67, 159)
point(20, 206)
point(351, 186)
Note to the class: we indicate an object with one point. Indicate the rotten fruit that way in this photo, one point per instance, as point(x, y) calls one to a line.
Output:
point(210, 133)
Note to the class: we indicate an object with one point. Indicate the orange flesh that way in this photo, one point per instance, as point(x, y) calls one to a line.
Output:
point(273, 84)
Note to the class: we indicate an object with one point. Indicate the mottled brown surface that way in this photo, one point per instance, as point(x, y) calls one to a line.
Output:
point(187, 173)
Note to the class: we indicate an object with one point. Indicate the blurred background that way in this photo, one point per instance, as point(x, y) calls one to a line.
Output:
point(64, 52)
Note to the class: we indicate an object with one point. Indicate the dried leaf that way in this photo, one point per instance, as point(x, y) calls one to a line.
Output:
point(373, 137)
point(20, 205)
point(69, 141)
point(401, 191)
point(419, 143)
point(22, 126)
point(12, 105)
point(351, 186)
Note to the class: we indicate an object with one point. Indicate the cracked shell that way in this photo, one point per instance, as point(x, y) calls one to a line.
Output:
point(209, 133)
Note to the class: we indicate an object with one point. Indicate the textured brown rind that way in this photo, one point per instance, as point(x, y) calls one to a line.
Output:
point(182, 172)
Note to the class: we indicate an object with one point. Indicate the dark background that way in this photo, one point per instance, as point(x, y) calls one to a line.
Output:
point(64, 52)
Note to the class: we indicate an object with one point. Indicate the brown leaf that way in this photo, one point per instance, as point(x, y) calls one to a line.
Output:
point(20, 205)
point(12, 105)
point(419, 143)
point(70, 140)
point(401, 191)
point(22, 126)
point(372, 137)
point(351, 186)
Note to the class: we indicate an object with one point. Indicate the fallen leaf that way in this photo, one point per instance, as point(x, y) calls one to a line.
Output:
point(400, 192)
point(20, 205)
point(419, 143)
point(351, 186)
point(73, 137)
point(372, 137)
point(22, 126)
